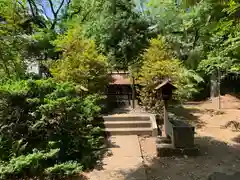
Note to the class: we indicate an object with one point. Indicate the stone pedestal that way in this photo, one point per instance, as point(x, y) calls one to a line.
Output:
point(181, 133)
point(165, 148)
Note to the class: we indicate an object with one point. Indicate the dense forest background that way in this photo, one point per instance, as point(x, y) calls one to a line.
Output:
point(201, 35)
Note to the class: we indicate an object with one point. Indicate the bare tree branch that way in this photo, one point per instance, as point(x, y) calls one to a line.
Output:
point(45, 12)
point(35, 7)
point(52, 8)
point(35, 18)
point(59, 7)
point(55, 13)
point(30, 4)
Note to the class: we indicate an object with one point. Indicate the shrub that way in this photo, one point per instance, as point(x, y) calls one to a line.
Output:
point(25, 164)
point(158, 64)
point(80, 62)
point(65, 169)
point(42, 115)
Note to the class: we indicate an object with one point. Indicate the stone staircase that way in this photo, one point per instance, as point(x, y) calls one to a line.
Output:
point(128, 124)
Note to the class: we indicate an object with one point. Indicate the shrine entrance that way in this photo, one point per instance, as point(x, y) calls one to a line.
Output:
point(120, 91)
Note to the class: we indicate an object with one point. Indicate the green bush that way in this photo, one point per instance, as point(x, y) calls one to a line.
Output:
point(26, 164)
point(64, 169)
point(38, 116)
point(80, 61)
point(158, 64)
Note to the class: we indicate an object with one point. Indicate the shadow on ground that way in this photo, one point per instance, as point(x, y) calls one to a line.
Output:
point(215, 156)
point(123, 110)
point(236, 139)
point(234, 125)
point(236, 95)
point(105, 144)
point(187, 114)
point(111, 144)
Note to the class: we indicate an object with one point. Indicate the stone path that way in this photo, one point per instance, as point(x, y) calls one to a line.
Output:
point(219, 159)
point(124, 161)
point(127, 160)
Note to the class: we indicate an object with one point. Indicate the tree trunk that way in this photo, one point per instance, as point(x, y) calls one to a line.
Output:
point(165, 113)
point(216, 87)
point(214, 92)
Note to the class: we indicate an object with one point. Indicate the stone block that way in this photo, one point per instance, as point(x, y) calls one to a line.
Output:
point(164, 140)
point(181, 133)
point(167, 150)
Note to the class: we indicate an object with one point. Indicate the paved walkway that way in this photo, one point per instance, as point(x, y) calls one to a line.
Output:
point(124, 162)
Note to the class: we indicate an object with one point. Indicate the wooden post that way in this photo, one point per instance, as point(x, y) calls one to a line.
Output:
point(219, 89)
point(165, 112)
point(133, 92)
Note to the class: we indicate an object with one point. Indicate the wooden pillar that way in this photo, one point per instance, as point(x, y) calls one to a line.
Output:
point(165, 113)
point(133, 93)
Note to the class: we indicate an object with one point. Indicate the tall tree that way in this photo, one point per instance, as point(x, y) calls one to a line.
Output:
point(203, 33)
point(119, 31)
point(12, 41)
point(80, 61)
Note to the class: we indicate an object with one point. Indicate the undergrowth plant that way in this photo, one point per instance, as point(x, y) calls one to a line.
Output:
point(47, 128)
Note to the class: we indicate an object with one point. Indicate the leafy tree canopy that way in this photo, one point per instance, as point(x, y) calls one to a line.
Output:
point(80, 62)
point(204, 34)
point(119, 31)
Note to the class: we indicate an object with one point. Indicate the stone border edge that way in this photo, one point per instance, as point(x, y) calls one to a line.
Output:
point(154, 125)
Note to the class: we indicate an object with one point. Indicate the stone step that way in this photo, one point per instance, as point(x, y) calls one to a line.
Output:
point(127, 124)
point(126, 118)
point(129, 131)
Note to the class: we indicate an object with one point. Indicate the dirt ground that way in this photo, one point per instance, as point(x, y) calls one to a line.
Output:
point(219, 146)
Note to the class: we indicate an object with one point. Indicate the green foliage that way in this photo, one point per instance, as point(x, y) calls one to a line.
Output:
point(119, 31)
point(26, 30)
point(204, 36)
point(185, 30)
point(26, 164)
point(44, 118)
point(80, 61)
point(64, 170)
point(48, 126)
point(12, 42)
point(158, 65)
point(224, 54)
